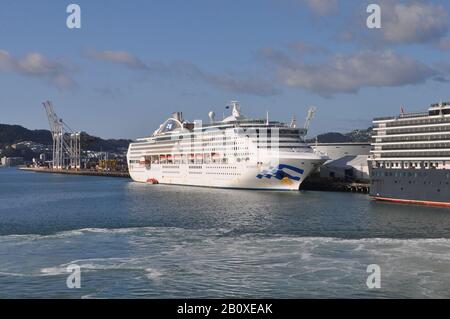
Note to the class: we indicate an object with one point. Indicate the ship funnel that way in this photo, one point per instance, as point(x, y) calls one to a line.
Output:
point(178, 116)
point(211, 116)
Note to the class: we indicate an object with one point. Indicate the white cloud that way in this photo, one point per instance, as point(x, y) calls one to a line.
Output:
point(120, 57)
point(349, 73)
point(322, 7)
point(5, 61)
point(413, 21)
point(403, 22)
point(444, 44)
point(308, 48)
point(37, 65)
point(246, 85)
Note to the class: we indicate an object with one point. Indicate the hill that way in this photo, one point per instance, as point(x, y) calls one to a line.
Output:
point(13, 134)
point(362, 136)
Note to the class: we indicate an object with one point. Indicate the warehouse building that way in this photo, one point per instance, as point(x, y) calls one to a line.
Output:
point(12, 161)
point(348, 161)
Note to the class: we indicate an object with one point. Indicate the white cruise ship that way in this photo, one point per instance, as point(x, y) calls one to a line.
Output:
point(236, 152)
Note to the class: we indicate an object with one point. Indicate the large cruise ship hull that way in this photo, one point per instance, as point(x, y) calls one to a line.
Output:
point(411, 186)
point(287, 175)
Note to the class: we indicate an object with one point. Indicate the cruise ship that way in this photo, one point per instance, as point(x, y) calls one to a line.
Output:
point(410, 160)
point(235, 152)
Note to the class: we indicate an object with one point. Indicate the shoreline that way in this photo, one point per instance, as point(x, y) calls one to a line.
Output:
point(77, 172)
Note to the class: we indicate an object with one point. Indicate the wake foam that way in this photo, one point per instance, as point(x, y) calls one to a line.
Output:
point(177, 262)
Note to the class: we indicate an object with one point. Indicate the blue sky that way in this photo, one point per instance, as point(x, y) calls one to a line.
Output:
point(134, 62)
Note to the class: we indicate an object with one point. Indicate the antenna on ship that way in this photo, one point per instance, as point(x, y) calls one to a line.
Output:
point(235, 109)
point(293, 121)
point(441, 105)
point(267, 117)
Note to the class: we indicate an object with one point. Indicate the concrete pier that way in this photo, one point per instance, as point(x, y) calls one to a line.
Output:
point(330, 185)
point(78, 172)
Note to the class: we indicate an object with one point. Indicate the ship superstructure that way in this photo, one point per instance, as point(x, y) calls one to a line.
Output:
point(410, 159)
point(235, 152)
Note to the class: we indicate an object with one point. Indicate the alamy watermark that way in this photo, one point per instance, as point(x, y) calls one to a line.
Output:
point(73, 281)
point(374, 19)
point(374, 279)
point(73, 21)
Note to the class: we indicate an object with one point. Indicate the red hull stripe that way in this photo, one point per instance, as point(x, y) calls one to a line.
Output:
point(409, 201)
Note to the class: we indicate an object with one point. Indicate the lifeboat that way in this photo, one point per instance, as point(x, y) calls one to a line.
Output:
point(152, 181)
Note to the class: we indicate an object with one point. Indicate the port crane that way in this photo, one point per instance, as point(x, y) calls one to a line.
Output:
point(66, 142)
point(309, 117)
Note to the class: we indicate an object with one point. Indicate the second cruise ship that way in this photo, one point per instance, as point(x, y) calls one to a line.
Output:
point(236, 152)
point(410, 160)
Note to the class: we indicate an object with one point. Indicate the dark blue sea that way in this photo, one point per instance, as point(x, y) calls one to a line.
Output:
point(135, 240)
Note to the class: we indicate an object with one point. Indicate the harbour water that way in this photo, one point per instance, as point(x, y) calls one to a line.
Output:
point(153, 241)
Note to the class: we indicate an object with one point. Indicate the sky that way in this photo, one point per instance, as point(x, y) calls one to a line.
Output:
point(133, 63)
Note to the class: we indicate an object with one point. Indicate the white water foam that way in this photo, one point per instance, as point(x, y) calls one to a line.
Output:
point(177, 262)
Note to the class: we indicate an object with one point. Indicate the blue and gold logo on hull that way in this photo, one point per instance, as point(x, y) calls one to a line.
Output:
point(280, 173)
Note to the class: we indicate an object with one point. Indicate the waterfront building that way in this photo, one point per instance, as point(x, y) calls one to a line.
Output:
point(12, 161)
